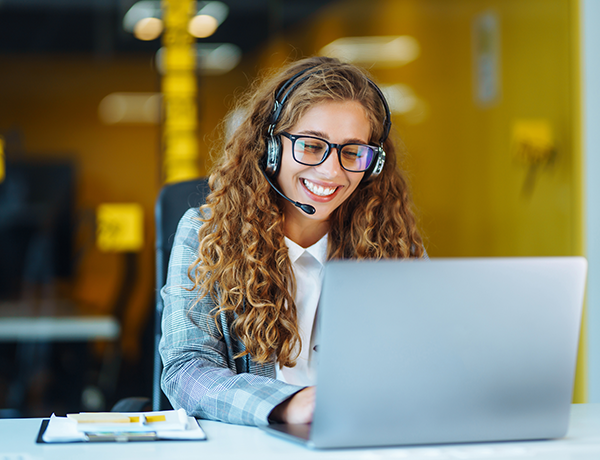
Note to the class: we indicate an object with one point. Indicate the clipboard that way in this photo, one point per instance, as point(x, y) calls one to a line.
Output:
point(192, 432)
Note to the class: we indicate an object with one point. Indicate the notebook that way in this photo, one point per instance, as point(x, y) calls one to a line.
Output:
point(416, 352)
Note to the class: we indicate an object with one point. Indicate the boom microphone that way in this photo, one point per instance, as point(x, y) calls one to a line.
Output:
point(307, 208)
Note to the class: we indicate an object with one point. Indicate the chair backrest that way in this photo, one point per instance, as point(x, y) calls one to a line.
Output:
point(172, 203)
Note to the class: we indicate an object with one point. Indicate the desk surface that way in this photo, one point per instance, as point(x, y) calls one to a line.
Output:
point(74, 328)
point(20, 322)
point(17, 440)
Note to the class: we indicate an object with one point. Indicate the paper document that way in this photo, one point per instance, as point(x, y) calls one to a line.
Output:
point(130, 426)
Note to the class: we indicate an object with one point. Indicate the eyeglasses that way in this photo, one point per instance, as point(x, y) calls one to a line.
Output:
point(312, 151)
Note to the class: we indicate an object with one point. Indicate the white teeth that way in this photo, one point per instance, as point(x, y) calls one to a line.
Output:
point(317, 189)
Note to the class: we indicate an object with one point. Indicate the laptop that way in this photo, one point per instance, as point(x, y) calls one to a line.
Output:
point(414, 352)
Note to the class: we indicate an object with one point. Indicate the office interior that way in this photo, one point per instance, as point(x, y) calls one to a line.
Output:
point(496, 104)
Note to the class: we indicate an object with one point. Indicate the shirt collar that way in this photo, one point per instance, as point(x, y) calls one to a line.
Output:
point(317, 250)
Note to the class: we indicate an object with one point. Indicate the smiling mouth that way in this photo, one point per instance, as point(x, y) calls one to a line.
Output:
point(317, 189)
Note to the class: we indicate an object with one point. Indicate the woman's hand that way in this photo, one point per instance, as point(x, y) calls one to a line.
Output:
point(298, 409)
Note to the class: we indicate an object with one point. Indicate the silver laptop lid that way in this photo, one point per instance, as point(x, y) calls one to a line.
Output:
point(447, 350)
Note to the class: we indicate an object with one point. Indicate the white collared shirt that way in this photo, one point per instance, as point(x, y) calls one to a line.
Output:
point(307, 265)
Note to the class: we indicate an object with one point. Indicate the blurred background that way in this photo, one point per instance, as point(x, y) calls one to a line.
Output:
point(102, 102)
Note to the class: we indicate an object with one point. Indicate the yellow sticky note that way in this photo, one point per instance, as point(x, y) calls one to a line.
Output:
point(532, 140)
point(120, 227)
point(99, 417)
point(149, 419)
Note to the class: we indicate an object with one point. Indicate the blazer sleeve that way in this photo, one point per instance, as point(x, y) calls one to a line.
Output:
point(200, 374)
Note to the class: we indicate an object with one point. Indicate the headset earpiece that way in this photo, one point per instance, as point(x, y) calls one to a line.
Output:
point(273, 153)
point(273, 156)
point(379, 163)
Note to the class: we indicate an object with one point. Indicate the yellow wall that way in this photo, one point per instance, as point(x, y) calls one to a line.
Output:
point(467, 183)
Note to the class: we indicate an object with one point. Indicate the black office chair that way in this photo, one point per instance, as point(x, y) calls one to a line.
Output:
point(172, 203)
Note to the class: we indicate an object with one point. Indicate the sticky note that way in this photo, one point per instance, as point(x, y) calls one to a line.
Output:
point(120, 227)
point(99, 417)
point(149, 419)
point(532, 140)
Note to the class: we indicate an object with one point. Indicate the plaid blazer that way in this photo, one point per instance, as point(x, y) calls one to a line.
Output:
point(200, 373)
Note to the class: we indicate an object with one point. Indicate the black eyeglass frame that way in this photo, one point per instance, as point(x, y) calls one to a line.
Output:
point(330, 147)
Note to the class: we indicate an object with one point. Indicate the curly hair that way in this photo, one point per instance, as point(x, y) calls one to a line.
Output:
point(243, 261)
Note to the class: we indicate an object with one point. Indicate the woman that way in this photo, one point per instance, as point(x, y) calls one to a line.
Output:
point(309, 175)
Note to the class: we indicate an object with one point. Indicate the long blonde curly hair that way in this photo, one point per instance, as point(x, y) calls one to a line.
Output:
point(243, 261)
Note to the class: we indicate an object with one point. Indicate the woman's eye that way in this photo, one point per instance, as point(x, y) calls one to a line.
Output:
point(313, 147)
point(352, 152)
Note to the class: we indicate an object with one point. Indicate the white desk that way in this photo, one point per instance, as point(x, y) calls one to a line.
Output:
point(17, 436)
point(76, 328)
point(61, 322)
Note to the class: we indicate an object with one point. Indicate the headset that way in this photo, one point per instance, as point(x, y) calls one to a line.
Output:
point(272, 158)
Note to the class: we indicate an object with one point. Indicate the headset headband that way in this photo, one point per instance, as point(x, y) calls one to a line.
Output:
point(279, 103)
point(296, 80)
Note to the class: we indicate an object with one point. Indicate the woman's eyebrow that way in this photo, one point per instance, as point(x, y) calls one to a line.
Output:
point(310, 132)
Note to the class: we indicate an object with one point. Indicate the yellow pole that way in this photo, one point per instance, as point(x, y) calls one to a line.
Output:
point(580, 391)
point(578, 203)
point(179, 89)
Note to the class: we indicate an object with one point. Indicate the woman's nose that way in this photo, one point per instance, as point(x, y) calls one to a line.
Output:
point(331, 166)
